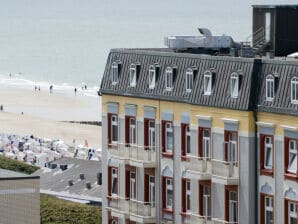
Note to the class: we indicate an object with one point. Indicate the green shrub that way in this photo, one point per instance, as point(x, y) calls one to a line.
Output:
point(17, 166)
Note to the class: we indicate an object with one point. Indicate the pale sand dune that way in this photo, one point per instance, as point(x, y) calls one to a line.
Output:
point(43, 113)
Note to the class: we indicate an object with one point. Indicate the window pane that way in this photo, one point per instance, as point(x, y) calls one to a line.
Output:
point(115, 185)
point(269, 217)
point(292, 162)
point(268, 157)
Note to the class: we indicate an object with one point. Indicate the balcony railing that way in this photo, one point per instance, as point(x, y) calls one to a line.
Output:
point(141, 208)
point(198, 164)
point(119, 204)
point(221, 221)
point(191, 218)
point(136, 153)
point(224, 169)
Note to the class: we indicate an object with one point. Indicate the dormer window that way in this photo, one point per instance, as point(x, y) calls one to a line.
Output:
point(133, 75)
point(294, 90)
point(189, 79)
point(269, 87)
point(207, 83)
point(152, 76)
point(234, 85)
point(169, 78)
point(114, 75)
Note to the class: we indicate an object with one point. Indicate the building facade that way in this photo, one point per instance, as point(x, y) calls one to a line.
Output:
point(186, 138)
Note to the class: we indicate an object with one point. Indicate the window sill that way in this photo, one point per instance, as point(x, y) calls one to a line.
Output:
point(112, 145)
point(267, 172)
point(167, 210)
point(291, 176)
point(167, 155)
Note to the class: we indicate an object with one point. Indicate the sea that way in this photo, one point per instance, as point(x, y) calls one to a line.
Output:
point(65, 43)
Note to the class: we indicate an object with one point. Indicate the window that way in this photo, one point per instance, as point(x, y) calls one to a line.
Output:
point(186, 195)
point(151, 190)
point(205, 199)
point(204, 143)
point(185, 139)
point(231, 200)
point(149, 134)
point(133, 75)
point(291, 212)
point(152, 76)
point(114, 75)
point(112, 128)
point(169, 78)
point(167, 137)
point(294, 90)
point(291, 158)
point(169, 193)
point(234, 85)
point(189, 79)
point(268, 215)
point(207, 83)
point(130, 130)
point(231, 146)
point(266, 154)
point(113, 181)
point(133, 187)
point(270, 88)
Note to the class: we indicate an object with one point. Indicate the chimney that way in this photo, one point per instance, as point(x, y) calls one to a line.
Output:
point(82, 176)
point(70, 182)
point(88, 185)
point(63, 167)
point(99, 178)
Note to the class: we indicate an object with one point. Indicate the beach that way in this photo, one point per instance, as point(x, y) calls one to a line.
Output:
point(40, 113)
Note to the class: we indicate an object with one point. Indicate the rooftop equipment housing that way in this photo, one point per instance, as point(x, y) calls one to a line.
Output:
point(275, 29)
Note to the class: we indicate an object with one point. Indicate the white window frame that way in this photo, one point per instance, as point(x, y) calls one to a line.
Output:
point(151, 134)
point(132, 131)
point(133, 75)
point(169, 129)
point(132, 185)
point(294, 90)
point(189, 80)
point(232, 148)
point(152, 76)
point(169, 78)
point(268, 208)
point(206, 201)
point(114, 178)
point(206, 144)
point(233, 218)
point(169, 188)
point(292, 165)
point(188, 196)
point(115, 74)
point(268, 148)
point(114, 123)
point(270, 91)
point(152, 190)
point(234, 85)
point(292, 214)
point(187, 143)
point(207, 83)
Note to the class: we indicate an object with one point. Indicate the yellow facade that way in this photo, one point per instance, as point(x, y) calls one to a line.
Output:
point(245, 118)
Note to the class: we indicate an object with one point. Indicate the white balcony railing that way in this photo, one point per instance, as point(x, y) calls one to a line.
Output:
point(221, 221)
point(198, 164)
point(119, 204)
point(131, 152)
point(141, 208)
point(191, 218)
point(224, 169)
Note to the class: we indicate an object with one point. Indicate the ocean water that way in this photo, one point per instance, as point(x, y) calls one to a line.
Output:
point(66, 42)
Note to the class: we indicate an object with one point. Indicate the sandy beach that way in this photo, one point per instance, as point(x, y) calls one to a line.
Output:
point(43, 113)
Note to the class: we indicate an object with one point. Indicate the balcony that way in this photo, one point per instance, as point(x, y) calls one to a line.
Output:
point(118, 206)
point(221, 221)
point(224, 172)
point(142, 212)
point(134, 155)
point(198, 167)
point(190, 218)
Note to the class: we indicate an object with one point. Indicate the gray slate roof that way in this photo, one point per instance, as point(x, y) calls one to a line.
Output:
point(222, 66)
point(56, 180)
point(11, 174)
point(252, 88)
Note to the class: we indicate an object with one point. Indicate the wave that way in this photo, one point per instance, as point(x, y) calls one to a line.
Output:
point(19, 81)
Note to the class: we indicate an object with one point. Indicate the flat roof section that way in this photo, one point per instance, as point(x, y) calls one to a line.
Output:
point(274, 6)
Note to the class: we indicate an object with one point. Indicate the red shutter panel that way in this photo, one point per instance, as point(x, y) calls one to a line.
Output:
point(164, 192)
point(127, 130)
point(201, 199)
point(226, 205)
point(146, 188)
point(262, 150)
point(163, 135)
point(286, 153)
point(109, 128)
point(109, 180)
point(226, 139)
point(262, 209)
point(146, 127)
point(286, 212)
point(127, 183)
point(183, 192)
point(183, 139)
point(200, 142)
